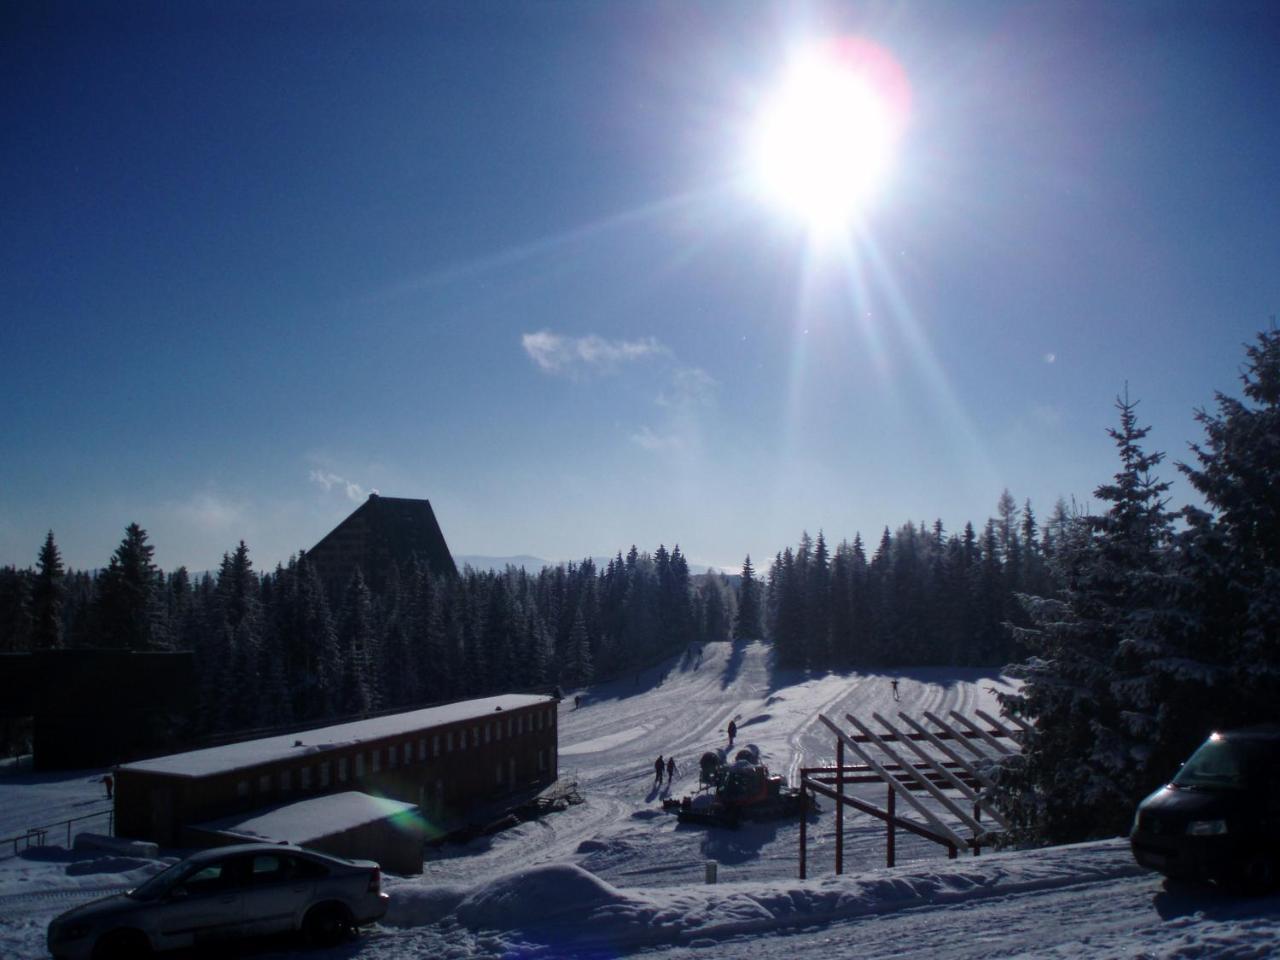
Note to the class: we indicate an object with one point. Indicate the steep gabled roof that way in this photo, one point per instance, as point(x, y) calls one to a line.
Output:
point(382, 531)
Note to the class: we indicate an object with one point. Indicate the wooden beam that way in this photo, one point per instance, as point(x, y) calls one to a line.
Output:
point(1000, 727)
point(951, 733)
point(959, 812)
point(986, 782)
point(870, 808)
point(895, 784)
point(988, 738)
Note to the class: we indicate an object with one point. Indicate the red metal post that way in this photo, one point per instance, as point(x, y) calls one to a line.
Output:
point(890, 808)
point(839, 807)
point(804, 809)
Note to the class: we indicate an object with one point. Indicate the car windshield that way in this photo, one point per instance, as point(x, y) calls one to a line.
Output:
point(157, 886)
point(1218, 765)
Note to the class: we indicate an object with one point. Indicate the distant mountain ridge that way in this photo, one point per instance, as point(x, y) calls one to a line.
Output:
point(533, 564)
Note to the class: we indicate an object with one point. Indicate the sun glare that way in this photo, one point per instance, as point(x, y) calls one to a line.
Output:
point(824, 140)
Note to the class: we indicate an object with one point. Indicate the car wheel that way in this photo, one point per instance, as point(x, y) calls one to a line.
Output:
point(121, 945)
point(327, 924)
point(1258, 874)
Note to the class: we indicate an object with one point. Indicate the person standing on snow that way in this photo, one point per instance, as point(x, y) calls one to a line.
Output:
point(671, 769)
point(733, 732)
point(894, 683)
point(657, 771)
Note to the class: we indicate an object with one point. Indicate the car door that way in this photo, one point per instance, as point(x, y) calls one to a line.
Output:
point(205, 905)
point(278, 890)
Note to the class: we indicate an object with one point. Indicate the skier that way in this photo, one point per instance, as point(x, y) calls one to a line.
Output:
point(733, 732)
point(671, 770)
point(894, 683)
point(657, 771)
point(577, 702)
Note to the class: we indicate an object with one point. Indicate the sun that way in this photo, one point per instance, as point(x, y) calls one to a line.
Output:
point(824, 140)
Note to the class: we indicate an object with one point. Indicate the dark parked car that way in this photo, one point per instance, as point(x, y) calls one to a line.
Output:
point(1219, 818)
point(220, 894)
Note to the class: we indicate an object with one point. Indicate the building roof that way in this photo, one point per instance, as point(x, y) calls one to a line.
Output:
point(253, 753)
point(381, 532)
point(305, 821)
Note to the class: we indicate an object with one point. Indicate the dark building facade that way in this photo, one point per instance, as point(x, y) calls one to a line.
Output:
point(444, 759)
point(93, 708)
point(381, 532)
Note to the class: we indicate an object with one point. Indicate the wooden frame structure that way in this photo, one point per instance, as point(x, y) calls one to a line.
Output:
point(952, 766)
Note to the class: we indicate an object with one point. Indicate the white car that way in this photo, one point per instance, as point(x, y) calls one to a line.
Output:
point(224, 893)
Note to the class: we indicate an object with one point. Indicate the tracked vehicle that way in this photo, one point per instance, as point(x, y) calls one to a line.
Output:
point(736, 791)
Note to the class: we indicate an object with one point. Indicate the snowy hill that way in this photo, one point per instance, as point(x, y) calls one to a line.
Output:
point(617, 876)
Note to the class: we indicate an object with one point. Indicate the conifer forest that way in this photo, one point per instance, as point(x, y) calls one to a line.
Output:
point(1135, 626)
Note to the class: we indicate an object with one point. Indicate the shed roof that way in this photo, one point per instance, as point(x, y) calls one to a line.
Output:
point(252, 753)
point(305, 821)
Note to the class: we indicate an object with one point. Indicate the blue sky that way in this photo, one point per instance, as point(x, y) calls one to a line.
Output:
point(260, 259)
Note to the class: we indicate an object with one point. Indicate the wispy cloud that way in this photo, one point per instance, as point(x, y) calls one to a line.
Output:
point(687, 388)
point(329, 481)
point(209, 512)
point(554, 353)
point(649, 439)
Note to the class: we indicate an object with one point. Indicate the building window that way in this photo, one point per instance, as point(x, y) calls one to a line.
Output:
point(448, 742)
point(488, 730)
point(342, 769)
point(286, 783)
point(422, 749)
point(376, 756)
point(359, 765)
point(324, 774)
point(435, 745)
point(520, 724)
point(408, 753)
point(511, 723)
point(242, 788)
point(462, 739)
point(542, 760)
point(537, 718)
point(304, 778)
point(475, 736)
point(498, 774)
point(392, 756)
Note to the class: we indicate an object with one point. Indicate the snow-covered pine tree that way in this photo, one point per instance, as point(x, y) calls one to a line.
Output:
point(1083, 769)
point(1232, 551)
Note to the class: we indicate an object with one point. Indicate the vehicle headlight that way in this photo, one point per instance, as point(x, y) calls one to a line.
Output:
point(1206, 828)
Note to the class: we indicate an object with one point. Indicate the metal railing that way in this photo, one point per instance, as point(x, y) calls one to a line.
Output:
point(38, 836)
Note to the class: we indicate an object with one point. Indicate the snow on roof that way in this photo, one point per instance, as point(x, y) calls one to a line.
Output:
point(308, 820)
point(252, 753)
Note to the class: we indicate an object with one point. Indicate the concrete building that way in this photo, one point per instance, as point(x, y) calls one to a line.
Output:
point(444, 759)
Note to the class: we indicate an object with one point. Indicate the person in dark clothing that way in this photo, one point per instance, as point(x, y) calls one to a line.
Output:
point(894, 684)
point(657, 770)
point(733, 732)
point(671, 769)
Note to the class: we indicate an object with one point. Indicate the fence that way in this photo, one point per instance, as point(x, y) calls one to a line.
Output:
point(38, 836)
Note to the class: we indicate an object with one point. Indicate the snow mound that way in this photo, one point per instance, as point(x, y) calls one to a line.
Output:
point(122, 865)
point(537, 897)
point(417, 906)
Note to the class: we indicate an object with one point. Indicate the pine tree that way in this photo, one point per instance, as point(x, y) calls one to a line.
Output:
point(577, 668)
point(129, 616)
point(1085, 685)
point(47, 592)
point(747, 625)
point(1229, 665)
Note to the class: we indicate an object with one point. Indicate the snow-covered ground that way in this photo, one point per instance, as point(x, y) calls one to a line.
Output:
point(616, 876)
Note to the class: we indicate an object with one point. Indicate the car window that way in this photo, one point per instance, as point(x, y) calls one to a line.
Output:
point(269, 868)
point(1218, 765)
point(206, 880)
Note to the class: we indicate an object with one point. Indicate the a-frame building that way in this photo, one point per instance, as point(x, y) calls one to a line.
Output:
point(381, 532)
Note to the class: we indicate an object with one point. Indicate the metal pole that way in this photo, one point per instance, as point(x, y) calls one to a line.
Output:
point(977, 815)
point(892, 806)
point(804, 806)
point(839, 807)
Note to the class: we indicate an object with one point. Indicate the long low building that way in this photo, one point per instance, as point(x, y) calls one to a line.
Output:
point(444, 759)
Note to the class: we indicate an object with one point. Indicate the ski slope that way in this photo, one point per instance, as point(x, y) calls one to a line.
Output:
point(617, 876)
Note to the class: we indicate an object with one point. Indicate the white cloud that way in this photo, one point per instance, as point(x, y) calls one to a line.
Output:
point(327, 479)
point(574, 356)
point(689, 387)
point(647, 438)
point(209, 513)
